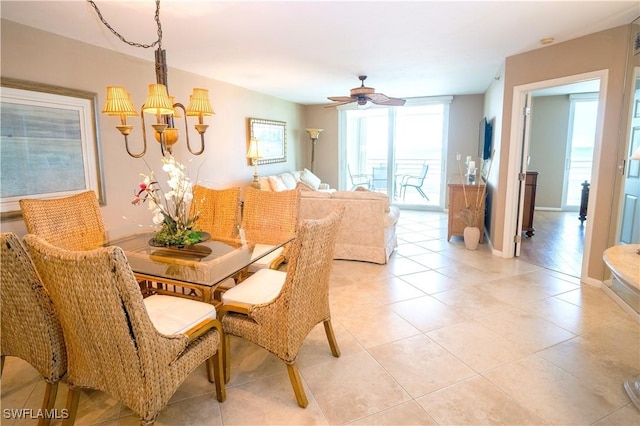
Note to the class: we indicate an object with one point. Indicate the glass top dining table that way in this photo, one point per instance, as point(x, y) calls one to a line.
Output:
point(193, 271)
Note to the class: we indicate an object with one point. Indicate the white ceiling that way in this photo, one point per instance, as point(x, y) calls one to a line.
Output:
point(304, 51)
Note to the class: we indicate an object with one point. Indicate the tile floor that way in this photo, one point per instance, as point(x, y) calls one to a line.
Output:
point(557, 243)
point(440, 335)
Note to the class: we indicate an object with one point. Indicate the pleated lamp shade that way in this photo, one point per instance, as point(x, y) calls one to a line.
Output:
point(118, 102)
point(199, 103)
point(158, 101)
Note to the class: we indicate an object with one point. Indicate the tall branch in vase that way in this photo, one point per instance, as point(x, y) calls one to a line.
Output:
point(470, 215)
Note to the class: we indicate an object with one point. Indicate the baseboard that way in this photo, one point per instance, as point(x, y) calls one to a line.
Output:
point(548, 209)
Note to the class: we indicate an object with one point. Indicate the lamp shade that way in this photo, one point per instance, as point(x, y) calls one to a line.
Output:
point(199, 103)
point(118, 102)
point(314, 133)
point(635, 155)
point(254, 149)
point(158, 101)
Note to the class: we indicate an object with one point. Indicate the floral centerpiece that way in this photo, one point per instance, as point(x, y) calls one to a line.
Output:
point(170, 209)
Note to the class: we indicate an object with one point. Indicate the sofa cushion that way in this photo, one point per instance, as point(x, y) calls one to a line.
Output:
point(277, 184)
point(288, 180)
point(310, 179)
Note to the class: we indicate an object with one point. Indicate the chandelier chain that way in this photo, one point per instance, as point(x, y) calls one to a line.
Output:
point(158, 42)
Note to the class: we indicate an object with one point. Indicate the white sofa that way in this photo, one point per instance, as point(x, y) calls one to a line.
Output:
point(367, 230)
point(290, 180)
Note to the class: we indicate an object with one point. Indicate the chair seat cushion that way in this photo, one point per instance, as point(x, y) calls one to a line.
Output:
point(175, 315)
point(261, 287)
point(265, 261)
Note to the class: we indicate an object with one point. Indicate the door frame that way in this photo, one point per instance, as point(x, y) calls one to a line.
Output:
point(517, 146)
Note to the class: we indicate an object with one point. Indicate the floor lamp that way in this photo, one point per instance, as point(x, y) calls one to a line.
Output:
point(313, 134)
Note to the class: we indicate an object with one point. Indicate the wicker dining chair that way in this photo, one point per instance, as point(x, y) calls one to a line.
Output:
point(268, 218)
point(73, 223)
point(30, 328)
point(137, 351)
point(218, 210)
point(276, 310)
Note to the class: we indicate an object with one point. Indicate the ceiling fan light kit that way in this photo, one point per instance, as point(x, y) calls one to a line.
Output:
point(365, 96)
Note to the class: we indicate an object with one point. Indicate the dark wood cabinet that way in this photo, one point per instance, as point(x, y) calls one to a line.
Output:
point(531, 182)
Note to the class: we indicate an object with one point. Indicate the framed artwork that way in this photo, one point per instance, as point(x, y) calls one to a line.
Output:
point(272, 139)
point(48, 144)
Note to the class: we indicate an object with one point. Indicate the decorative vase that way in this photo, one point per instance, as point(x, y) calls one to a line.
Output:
point(471, 237)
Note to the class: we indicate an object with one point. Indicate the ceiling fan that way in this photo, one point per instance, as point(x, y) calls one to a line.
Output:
point(362, 95)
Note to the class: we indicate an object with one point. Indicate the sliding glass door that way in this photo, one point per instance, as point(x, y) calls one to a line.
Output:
point(397, 151)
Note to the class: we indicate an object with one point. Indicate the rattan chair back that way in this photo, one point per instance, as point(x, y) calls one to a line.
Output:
point(73, 223)
point(281, 325)
point(112, 345)
point(30, 328)
point(270, 217)
point(218, 210)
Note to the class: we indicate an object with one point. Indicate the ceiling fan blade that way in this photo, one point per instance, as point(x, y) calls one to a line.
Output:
point(390, 101)
point(336, 104)
point(341, 98)
point(378, 98)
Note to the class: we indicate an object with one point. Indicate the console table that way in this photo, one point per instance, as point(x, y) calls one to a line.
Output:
point(456, 203)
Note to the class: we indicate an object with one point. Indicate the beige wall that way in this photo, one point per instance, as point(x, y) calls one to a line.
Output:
point(548, 146)
point(37, 56)
point(606, 50)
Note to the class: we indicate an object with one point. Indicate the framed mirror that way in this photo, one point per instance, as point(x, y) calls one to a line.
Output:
point(272, 139)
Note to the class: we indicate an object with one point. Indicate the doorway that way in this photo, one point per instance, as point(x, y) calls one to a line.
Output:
point(562, 135)
point(520, 143)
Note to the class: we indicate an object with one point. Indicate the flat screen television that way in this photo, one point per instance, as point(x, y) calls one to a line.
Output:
point(485, 139)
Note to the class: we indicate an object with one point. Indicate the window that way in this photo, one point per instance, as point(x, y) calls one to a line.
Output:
point(396, 150)
point(582, 129)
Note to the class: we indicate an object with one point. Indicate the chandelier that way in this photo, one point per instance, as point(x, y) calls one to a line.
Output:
point(158, 103)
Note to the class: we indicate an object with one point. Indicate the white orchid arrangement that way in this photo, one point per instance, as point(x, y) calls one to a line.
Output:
point(170, 209)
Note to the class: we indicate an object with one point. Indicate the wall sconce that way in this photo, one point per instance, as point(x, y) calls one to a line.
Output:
point(254, 154)
point(314, 134)
point(158, 102)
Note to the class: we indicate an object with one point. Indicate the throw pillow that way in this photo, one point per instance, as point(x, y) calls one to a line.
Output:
point(304, 187)
point(288, 180)
point(310, 179)
point(277, 184)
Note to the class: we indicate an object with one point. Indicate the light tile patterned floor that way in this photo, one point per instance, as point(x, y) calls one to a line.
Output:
point(440, 335)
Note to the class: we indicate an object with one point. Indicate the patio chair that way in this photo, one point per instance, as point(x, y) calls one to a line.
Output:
point(277, 310)
point(379, 178)
point(415, 182)
point(218, 210)
point(358, 180)
point(138, 352)
point(73, 223)
point(268, 218)
point(30, 326)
